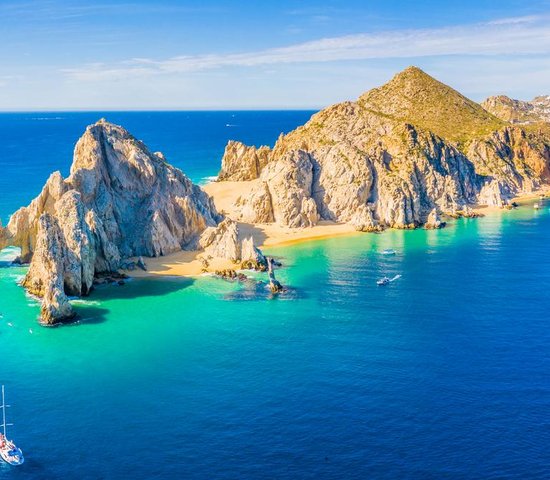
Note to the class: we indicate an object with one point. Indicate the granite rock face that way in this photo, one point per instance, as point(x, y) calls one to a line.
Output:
point(241, 162)
point(225, 241)
point(433, 221)
point(392, 157)
point(119, 201)
point(46, 274)
point(519, 111)
point(222, 241)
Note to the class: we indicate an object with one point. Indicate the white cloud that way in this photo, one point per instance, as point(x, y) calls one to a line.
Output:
point(508, 36)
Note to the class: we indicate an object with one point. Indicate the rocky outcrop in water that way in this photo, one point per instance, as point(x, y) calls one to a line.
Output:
point(434, 221)
point(252, 257)
point(46, 274)
point(392, 157)
point(119, 201)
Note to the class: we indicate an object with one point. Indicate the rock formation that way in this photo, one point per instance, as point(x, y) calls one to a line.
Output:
point(519, 111)
point(389, 159)
point(434, 221)
point(252, 257)
point(119, 201)
point(240, 162)
point(224, 241)
point(274, 284)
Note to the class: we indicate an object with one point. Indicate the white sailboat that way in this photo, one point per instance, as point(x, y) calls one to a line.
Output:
point(8, 451)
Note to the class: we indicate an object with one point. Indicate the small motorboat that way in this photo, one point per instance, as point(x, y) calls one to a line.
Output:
point(536, 206)
point(8, 451)
point(388, 251)
point(386, 280)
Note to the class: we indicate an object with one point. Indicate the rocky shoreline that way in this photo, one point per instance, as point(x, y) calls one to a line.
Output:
point(411, 153)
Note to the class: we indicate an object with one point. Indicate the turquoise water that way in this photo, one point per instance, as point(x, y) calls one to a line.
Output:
point(441, 374)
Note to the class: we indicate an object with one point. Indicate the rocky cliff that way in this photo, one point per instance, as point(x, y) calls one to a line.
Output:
point(119, 201)
point(390, 159)
point(519, 111)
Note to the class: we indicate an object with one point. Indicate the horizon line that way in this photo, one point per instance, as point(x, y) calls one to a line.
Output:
point(167, 110)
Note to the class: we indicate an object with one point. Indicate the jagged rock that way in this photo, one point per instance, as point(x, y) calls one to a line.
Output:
point(252, 257)
point(283, 195)
point(469, 212)
point(141, 263)
point(491, 194)
point(363, 220)
point(403, 149)
point(222, 241)
point(256, 207)
point(519, 111)
point(120, 201)
point(433, 221)
point(517, 158)
point(46, 274)
point(128, 265)
point(241, 162)
point(274, 284)
point(289, 181)
point(230, 274)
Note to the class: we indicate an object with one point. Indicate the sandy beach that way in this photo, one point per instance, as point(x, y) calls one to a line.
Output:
point(188, 263)
point(265, 235)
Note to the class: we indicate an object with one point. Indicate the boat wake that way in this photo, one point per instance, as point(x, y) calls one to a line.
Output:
point(387, 280)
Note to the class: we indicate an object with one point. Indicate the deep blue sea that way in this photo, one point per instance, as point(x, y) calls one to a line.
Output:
point(443, 374)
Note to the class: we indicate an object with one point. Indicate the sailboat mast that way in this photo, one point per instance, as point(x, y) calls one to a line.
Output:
point(3, 412)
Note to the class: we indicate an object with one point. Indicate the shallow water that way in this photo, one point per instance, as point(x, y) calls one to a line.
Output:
point(441, 374)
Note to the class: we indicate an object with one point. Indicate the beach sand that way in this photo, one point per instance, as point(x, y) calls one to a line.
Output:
point(225, 194)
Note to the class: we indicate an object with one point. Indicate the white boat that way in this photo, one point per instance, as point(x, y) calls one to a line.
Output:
point(8, 451)
point(386, 280)
point(388, 251)
point(536, 206)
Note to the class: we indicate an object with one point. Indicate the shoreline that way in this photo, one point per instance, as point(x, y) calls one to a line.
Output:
point(189, 264)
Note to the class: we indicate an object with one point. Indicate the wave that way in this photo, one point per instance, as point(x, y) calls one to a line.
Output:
point(9, 254)
point(80, 301)
point(209, 179)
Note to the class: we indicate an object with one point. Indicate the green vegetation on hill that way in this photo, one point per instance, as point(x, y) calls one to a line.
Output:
point(414, 97)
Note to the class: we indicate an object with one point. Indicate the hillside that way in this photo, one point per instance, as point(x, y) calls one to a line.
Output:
point(414, 97)
point(519, 111)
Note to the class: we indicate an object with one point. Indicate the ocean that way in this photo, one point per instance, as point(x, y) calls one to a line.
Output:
point(443, 374)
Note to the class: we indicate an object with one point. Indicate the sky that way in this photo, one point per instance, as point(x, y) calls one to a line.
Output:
point(184, 55)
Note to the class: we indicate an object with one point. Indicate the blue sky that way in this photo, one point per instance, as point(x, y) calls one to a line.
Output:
point(59, 55)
